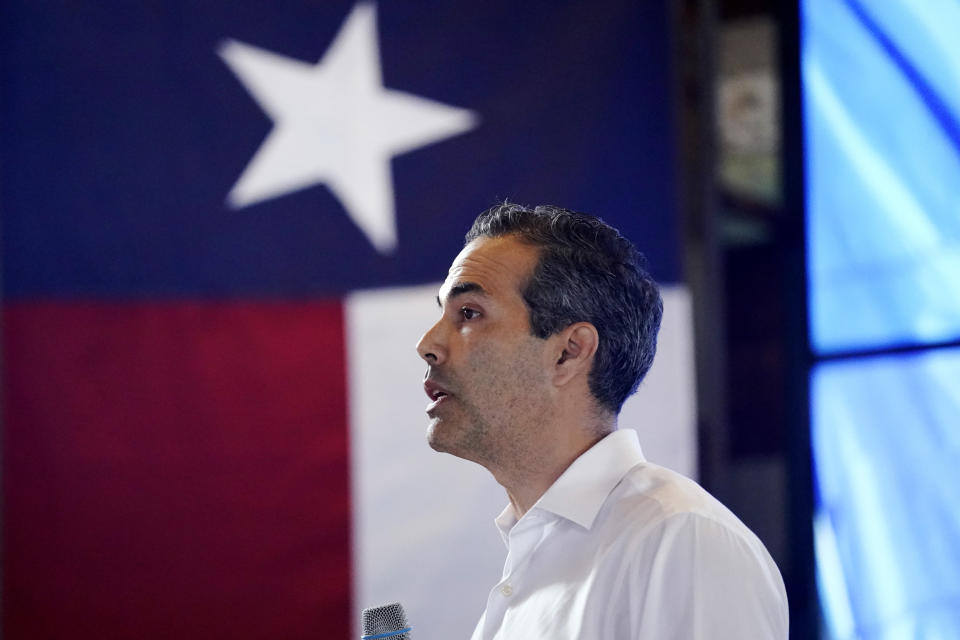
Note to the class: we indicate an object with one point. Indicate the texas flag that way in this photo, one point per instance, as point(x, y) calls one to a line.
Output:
point(223, 229)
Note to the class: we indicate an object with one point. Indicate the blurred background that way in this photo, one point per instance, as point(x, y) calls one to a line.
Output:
point(224, 226)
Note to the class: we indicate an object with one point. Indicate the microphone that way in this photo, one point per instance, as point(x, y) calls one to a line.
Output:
point(385, 621)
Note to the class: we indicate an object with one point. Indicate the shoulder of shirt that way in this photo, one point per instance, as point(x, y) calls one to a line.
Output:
point(651, 497)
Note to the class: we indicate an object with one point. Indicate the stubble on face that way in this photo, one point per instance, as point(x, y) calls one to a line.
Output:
point(496, 370)
point(497, 406)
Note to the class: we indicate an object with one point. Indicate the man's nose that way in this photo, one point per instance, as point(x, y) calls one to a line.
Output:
point(431, 346)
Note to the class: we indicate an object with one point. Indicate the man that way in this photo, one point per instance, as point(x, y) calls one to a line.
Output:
point(548, 323)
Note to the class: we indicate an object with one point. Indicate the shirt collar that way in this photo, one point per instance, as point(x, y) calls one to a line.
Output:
point(580, 491)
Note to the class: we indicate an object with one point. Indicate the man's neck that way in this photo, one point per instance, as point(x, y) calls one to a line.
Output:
point(531, 478)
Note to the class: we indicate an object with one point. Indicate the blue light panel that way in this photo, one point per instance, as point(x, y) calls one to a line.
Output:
point(881, 98)
point(886, 441)
point(882, 125)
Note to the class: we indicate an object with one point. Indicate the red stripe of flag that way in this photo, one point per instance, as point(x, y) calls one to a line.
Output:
point(175, 470)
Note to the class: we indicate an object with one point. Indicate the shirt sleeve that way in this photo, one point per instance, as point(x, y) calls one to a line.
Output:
point(707, 580)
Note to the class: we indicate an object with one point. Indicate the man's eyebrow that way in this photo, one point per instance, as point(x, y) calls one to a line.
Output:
point(461, 288)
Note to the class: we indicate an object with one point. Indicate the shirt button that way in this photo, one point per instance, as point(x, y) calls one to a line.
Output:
point(506, 590)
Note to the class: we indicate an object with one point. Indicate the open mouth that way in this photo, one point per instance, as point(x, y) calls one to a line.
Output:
point(436, 393)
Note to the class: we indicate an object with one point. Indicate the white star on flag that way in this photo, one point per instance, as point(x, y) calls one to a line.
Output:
point(336, 124)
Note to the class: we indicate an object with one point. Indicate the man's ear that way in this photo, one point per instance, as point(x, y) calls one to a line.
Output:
point(578, 344)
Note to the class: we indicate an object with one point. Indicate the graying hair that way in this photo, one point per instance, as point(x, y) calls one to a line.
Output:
point(587, 272)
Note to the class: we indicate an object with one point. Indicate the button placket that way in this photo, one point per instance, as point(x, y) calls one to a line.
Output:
point(525, 537)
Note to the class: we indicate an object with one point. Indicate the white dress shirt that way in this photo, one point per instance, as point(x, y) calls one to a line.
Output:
point(619, 548)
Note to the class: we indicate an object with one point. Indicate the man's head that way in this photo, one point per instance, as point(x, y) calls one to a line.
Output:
point(587, 272)
point(487, 374)
point(544, 310)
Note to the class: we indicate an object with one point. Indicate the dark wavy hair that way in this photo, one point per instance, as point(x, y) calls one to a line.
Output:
point(587, 272)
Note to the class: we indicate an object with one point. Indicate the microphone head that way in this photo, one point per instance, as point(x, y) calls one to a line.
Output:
point(388, 622)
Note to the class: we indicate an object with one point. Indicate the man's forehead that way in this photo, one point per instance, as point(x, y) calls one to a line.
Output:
point(452, 289)
point(494, 256)
point(487, 265)
point(478, 246)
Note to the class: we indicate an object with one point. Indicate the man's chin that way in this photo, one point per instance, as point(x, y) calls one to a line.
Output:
point(435, 436)
point(444, 436)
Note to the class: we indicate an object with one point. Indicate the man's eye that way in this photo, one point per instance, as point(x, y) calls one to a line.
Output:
point(468, 313)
